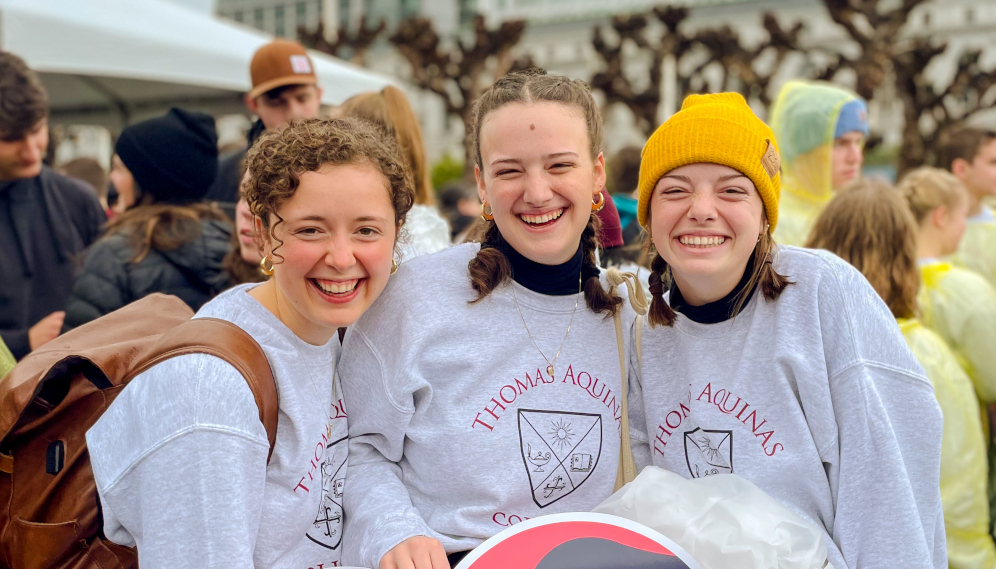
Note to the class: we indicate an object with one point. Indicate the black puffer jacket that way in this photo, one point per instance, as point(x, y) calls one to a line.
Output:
point(110, 280)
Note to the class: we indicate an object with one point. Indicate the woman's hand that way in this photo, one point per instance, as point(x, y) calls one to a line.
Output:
point(417, 552)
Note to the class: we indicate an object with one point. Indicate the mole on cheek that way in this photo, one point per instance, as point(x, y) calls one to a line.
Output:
point(532, 127)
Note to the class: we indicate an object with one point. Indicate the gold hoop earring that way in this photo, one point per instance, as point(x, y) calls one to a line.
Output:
point(267, 270)
point(394, 266)
point(486, 214)
point(598, 205)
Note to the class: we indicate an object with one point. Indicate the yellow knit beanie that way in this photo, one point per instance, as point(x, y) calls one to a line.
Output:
point(720, 129)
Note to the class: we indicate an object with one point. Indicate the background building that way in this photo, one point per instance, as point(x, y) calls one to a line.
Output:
point(559, 32)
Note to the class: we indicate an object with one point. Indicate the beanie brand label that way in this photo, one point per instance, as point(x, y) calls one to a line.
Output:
point(300, 64)
point(771, 162)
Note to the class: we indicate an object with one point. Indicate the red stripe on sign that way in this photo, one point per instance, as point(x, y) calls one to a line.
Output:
point(527, 548)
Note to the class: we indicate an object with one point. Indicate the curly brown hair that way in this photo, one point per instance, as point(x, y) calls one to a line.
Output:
point(277, 160)
point(23, 101)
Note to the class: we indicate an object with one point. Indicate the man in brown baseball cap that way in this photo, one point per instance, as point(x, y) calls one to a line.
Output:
point(284, 88)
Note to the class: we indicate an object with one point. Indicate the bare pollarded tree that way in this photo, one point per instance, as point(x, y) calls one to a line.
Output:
point(889, 52)
point(707, 59)
point(616, 84)
point(458, 73)
point(749, 70)
point(351, 45)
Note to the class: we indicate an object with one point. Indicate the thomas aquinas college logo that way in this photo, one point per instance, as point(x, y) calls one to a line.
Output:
point(560, 450)
point(326, 530)
point(708, 452)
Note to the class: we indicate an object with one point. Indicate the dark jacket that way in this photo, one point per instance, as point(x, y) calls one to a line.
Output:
point(45, 223)
point(224, 192)
point(110, 279)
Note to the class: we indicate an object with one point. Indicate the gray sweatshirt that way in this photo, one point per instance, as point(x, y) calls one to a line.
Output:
point(815, 398)
point(456, 430)
point(180, 456)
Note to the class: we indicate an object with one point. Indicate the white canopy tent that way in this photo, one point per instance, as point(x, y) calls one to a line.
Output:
point(110, 62)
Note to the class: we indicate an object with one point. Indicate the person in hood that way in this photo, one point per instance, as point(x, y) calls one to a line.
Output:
point(284, 88)
point(46, 219)
point(165, 240)
point(821, 131)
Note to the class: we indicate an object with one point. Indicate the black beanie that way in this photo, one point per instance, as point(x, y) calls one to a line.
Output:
point(173, 157)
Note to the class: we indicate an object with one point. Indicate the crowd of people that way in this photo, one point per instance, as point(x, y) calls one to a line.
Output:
point(452, 362)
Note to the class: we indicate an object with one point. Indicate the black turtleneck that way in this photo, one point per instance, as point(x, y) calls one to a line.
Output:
point(718, 311)
point(553, 280)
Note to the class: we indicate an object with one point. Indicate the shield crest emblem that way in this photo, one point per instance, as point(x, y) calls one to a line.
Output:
point(560, 451)
point(326, 530)
point(708, 452)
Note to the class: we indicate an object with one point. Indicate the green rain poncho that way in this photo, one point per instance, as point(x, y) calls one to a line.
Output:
point(961, 307)
point(804, 120)
point(6, 359)
point(977, 251)
point(963, 451)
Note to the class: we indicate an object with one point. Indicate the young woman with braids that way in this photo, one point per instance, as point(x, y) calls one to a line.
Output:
point(484, 385)
point(778, 364)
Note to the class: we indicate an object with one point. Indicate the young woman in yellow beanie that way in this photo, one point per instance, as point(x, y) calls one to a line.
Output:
point(778, 364)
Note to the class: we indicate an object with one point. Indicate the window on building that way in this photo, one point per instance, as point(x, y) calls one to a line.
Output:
point(257, 18)
point(409, 8)
point(970, 16)
point(468, 9)
point(301, 14)
point(926, 19)
point(279, 25)
point(239, 16)
point(344, 12)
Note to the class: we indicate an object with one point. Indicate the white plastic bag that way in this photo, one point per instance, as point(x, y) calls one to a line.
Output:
point(722, 520)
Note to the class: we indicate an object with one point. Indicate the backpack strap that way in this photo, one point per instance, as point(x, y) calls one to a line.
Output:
point(227, 341)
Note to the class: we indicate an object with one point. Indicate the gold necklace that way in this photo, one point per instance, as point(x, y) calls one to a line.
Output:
point(549, 367)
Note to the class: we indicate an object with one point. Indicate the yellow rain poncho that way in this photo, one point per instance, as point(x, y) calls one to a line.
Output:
point(804, 120)
point(6, 359)
point(961, 307)
point(963, 452)
point(977, 251)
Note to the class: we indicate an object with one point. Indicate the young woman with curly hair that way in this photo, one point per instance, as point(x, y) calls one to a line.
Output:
point(484, 385)
point(180, 458)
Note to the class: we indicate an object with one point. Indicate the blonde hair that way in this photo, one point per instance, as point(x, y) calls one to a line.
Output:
point(927, 189)
point(869, 225)
point(391, 111)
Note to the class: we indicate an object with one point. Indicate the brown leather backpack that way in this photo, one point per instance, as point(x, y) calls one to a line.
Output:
point(50, 515)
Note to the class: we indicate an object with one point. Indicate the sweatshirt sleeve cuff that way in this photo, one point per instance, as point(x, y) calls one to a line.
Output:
point(17, 342)
point(392, 532)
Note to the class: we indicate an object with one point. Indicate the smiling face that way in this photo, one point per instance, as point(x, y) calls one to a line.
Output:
point(333, 249)
point(705, 220)
point(539, 178)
